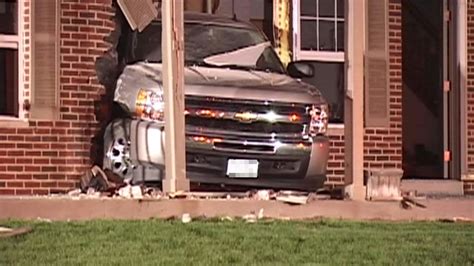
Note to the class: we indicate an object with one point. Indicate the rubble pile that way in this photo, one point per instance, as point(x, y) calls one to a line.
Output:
point(98, 183)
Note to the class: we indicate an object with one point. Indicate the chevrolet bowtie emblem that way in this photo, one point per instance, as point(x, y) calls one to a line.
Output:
point(246, 116)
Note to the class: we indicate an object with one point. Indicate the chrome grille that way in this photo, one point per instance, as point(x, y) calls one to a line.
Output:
point(222, 114)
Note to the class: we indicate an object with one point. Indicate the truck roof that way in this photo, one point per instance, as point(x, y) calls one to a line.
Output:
point(204, 18)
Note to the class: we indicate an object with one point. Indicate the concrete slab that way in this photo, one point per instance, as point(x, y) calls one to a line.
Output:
point(86, 209)
point(433, 187)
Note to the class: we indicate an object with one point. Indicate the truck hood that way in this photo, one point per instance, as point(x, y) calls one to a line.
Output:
point(219, 83)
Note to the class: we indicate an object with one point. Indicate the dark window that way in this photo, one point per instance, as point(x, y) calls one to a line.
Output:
point(308, 8)
point(9, 17)
point(9, 42)
point(308, 35)
point(8, 82)
point(329, 79)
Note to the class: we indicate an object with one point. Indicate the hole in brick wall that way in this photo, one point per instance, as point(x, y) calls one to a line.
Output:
point(108, 68)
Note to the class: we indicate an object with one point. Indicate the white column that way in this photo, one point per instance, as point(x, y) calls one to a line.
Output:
point(462, 61)
point(173, 83)
point(354, 104)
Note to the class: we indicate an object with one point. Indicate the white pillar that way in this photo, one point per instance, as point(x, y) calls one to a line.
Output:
point(354, 116)
point(173, 85)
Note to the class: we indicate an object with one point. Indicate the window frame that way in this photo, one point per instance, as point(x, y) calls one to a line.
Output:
point(299, 54)
point(16, 42)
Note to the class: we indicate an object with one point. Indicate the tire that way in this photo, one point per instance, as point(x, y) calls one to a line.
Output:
point(117, 149)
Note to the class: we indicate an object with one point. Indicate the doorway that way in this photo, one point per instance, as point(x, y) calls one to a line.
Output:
point(424, 105)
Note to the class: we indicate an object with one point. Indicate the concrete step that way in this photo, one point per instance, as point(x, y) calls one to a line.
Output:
point(432, 187)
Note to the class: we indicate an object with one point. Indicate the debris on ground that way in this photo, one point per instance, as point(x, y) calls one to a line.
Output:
point(99, 183)
point(177, 195)
point(152, 193)
point(5, 229)
point(457, 220)
point(15, 232)
point(292, 197)
point(43, 220)
point(75, 192)
point(263, 194)
point(186, 218)
point(250, 218)
point(130, 192)
point(227, 219)
point(253, 217)
point(102, 181)
point(408, 202)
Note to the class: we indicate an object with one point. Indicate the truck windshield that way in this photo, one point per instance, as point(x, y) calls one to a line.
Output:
point(212, 46)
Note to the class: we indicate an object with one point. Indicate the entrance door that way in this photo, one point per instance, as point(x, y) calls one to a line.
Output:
point(424, 104)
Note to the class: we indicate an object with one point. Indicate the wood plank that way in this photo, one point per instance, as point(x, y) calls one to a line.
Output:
point(173, 84)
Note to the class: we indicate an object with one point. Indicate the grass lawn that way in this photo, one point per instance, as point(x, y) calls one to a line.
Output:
point(156, 242)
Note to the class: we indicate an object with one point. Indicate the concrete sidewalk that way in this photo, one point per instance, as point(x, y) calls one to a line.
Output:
point(86, 209)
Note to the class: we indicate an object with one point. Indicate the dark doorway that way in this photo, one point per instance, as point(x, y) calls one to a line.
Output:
point(423, 97)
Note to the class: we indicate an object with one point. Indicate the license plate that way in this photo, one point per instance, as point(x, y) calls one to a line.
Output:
point(239, 168)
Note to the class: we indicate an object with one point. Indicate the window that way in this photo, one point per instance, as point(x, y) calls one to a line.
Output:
point(9, 47)
point(322, 24)
point(319, 38)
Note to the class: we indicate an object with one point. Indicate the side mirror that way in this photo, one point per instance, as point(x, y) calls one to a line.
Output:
point(300, 69)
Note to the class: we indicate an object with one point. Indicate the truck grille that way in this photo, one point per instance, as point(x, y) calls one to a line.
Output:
point(221, 114)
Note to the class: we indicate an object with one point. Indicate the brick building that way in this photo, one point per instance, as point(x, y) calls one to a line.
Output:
point(418, 101)
point(49, 87)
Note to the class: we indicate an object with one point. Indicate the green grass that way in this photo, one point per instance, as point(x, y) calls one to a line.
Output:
point(156, 242)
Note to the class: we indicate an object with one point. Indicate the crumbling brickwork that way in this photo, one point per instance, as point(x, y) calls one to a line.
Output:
point(50, 156)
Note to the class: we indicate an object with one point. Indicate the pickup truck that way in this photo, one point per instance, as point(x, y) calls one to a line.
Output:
point(249, 120)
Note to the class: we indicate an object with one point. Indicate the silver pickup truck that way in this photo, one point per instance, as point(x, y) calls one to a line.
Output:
point(249, 121)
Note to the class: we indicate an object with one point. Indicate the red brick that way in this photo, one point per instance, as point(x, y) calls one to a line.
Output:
point(24, 160)
point(32, 168)
point(16, 153)
point(24, 145)
point(14, 168)
point(16, 138)
point(15, 184)
point(32, 184)
point(5, 192)
point(21, 192)
point(40, 191)
point(49, 168)
point(7, 131)
point(7, 145)
point(41, 145)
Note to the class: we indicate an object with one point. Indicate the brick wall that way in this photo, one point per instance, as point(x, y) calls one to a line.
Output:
point(383, 146)
point(335, 174)
point(50, 156)
point(469, 185)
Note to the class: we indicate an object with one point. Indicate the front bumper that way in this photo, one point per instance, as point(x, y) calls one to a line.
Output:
point(306, 170)
point(282, 164)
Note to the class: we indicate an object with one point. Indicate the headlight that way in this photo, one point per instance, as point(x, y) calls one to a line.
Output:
point(319, 120)
point(150, 105)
